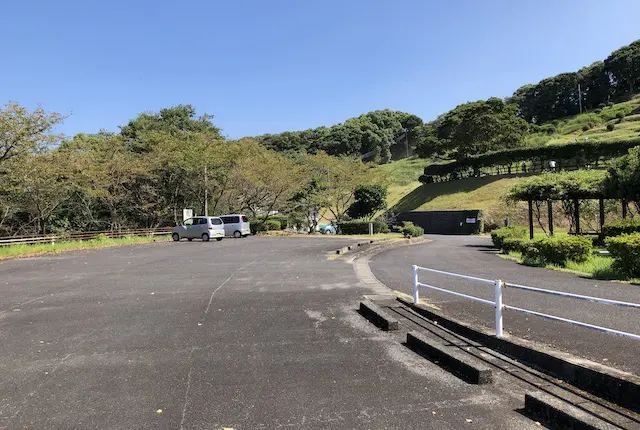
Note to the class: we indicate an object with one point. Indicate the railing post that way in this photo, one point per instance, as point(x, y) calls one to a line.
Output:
point(498, 285)
point(416, 296)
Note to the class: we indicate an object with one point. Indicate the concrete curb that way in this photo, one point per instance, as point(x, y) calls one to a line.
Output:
point(466, 366)
point(557, 413)
point(376, 315)
point(616, 386)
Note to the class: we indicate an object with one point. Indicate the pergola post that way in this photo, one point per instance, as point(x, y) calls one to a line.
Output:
point(530, 219)
point(550, 215)
point(601, 218)
point(576, 202)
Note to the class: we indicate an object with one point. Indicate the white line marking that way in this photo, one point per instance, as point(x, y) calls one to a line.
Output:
point(186, 392)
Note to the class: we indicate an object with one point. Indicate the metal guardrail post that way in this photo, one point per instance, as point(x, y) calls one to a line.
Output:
point(416, 297)
point(499, 306)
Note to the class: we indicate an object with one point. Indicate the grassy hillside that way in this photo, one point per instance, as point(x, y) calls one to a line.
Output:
point(406, 193)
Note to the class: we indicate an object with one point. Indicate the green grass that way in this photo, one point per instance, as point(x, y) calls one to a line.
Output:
point(406, 193)
point(72, 245)
point(596, 267)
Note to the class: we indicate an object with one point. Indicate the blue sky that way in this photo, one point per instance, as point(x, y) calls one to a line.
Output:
point(267, 66)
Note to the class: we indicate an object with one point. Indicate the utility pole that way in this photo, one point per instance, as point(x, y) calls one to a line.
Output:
point(580, 97)
point(406, 139)
point(206, 193)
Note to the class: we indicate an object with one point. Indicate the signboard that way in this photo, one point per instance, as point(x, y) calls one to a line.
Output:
point(471, 220)
point(187, 213)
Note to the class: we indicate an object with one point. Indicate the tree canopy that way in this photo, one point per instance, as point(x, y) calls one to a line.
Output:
point(374, 134)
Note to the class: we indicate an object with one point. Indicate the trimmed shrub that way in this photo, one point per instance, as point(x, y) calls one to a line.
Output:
point(559, 250)
point(625, 250)
point(410, 230)
point(258, 226)
point(498, 236)
point(283, 220)
point(610, 127)
point(512, 244)
point(362, 227)
point(586, 127)
point(618, 228)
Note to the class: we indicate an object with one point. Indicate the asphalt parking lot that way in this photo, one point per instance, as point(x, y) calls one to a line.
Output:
point(474, 256)
point(244, 334)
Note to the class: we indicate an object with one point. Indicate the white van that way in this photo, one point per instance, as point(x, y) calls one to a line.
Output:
point(236, 225)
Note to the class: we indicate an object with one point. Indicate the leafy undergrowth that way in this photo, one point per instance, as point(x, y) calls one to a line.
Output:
point(596, 267)
point(73, 245)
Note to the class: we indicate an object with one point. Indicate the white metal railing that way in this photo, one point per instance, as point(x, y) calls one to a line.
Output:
point(498, 304)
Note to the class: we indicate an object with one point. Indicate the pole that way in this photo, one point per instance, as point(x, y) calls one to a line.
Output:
point(576, 202)
point(498, 285)
point(530, 219)
point(406, 139)
point(416, 297)
point(370, 229)
point(580, 97)
point(206, 193)
point(550, 216)
point(602, 214)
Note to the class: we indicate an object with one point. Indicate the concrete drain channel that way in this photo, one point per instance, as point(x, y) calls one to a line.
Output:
point(549, 400)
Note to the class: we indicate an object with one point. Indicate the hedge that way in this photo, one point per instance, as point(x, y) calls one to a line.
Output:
point(410, 230)
point(513, 244)
point(362, 227)
point(498, 236)
point(258, 225)
point(589, 152)
point(558, 250)
point(618, 228)
point(283, 220)
point(625, 250)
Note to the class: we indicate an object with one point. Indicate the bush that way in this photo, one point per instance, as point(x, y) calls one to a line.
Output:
point(602, 106)
point(610, 127)
point(558, 250)
point(586, 127)
point(362, 227)
point(512, 244)
point(410, 230)
point(625, 251)
point(618, 228)
point(597, 110)
point(258, 225)
point(498, 236)
point(283, 220)
point(547, 128)
point(620, 115)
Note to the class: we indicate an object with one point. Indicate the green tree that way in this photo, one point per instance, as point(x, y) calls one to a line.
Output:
point(624, 66)
point(177, 121)
point(477, 127)
point(369, 199)
point(23, 132)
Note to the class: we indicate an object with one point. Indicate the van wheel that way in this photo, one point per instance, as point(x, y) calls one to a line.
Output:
point(237, 234)
point(176, 237)
point(219, 239)
point(205, 237)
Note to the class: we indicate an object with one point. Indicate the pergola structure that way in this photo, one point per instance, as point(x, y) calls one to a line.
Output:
point(566, 186)
point(601, 197)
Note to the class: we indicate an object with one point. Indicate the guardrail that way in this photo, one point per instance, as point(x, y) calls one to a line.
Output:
point(499, 305)
point(31, 240)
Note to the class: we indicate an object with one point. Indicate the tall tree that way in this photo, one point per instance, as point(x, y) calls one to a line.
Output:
point(481, 126)
point(23, 132)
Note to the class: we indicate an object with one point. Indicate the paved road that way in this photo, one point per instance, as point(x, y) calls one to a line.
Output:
point(473, 255)
point(251, 333)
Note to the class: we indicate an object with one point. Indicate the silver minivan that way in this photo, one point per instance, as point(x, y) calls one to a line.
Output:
point(236, 225)
point(199, 227)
